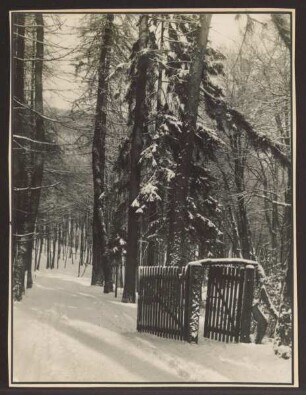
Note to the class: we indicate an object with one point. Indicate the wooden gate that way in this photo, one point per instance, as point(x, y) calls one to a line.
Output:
point(228, 302)
point(161, 301)
point(169, 300)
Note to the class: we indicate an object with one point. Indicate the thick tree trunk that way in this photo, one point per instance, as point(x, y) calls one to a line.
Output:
point(235, 239)
point(27, 166)
point(153, 208)
point(39, 253)
point(243, 223)
point(101, 263)
point(179, 253)
point(289, 235)
point(38, 134)
point(152, 256)
point(19, 179)
point(140, 116)
point(170, 217)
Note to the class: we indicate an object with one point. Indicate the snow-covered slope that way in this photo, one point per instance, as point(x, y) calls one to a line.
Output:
point(64, 330)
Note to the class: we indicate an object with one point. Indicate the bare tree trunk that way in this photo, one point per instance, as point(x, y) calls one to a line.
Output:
point(82, 251)
point(289, 252)
point(243, 223)
point(59, 235)
point(170, 215)
point(54, 248)
point(19, 175)
point(36, 247)
point(40, 251)
point(48, 251)
point(28, 172)
point(37, 133)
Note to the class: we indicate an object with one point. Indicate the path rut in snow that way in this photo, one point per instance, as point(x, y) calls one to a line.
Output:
point(67, 331)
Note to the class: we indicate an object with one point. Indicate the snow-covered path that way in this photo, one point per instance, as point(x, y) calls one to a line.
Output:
point(64, 330)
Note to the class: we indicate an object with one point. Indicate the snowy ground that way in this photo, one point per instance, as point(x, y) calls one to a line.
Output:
point(64, 330)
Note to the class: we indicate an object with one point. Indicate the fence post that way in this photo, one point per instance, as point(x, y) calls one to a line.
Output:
point(194, 276)
point(248, 291)
point(140, 300)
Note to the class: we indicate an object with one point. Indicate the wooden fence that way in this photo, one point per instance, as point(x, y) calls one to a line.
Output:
point(161, 301)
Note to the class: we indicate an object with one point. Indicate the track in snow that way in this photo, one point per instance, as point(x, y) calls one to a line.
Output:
point(66, 331)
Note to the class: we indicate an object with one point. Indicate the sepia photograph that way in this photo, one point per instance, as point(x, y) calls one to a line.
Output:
point(152, 198)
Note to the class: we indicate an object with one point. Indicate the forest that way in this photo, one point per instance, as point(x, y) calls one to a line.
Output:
point(153, 139)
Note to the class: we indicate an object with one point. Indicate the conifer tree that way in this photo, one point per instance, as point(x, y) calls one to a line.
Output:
point(101, 263)
point(139, 121)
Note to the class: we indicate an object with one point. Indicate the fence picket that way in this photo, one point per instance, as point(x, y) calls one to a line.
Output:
point(225, 315)
point(239, 305)
point(214, 298)
point(232, 303)
point(219, 301)
point(234, 314)
point(221, 297)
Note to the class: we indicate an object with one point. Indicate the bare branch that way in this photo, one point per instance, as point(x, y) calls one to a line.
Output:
point(35, 188)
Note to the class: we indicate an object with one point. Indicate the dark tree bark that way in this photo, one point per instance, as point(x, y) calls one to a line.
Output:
point(140, 116)
point(48, 265)
point(288, 258)
point(284, 326)
point(243, 222)
point(170, 217)
point(38, 133)
point(101, 262)
point(153, 208)
point(179, 253)
point(19, 215)
point(282, 26)
point(39, 253)
point(235, 239)
point(59, 230)
point(28, 164)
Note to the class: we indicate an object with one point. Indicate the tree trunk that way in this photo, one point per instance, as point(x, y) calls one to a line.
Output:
point(153, 208)
point(59, 230)
point(38, 134)
point(284, 326)
point(170, 217)
point(243, 222)
point(19, 176)
point(27, 169)
point(54, 248)
point(48, 264)
point(289, 235)
point(136, 147)
point(101, 263)
point(40, 251)
point(179, 253)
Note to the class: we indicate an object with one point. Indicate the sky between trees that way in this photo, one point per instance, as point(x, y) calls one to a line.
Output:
point(226, 32)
